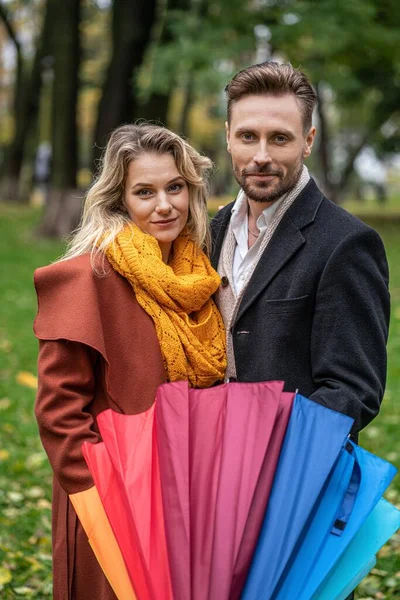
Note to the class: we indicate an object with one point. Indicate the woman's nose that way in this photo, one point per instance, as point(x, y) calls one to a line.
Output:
point(163, 204)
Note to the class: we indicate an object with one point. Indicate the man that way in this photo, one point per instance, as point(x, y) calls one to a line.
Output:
point(304, 292)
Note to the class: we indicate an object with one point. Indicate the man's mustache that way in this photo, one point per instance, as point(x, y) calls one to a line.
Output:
point(266, 170)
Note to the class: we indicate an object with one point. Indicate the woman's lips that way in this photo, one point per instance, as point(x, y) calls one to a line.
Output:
point(165, 222)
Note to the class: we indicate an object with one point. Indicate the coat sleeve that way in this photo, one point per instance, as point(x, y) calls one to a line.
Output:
point(350, 328)
point(66, 388)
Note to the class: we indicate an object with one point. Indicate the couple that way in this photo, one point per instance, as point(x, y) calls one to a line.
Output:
point(301, 288)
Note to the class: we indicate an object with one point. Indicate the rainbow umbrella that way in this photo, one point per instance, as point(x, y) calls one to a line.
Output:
point(207, 482)
point(182, 484)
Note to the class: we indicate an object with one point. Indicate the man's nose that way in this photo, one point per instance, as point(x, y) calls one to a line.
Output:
point(262, 156)
point(163, 204)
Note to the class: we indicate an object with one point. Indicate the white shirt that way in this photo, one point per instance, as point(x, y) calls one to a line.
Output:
point(244, 256)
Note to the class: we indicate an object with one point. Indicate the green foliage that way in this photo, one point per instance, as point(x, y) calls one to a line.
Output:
point(25, 478)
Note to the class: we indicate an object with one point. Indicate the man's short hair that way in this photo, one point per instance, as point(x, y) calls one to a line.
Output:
point(273, 79)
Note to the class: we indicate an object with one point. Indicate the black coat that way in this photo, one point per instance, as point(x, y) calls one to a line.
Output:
point(315, 313)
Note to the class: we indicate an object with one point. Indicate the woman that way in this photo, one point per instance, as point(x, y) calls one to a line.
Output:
point(128, 308)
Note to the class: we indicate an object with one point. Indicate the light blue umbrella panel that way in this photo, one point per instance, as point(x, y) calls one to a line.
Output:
point(359, 557)
point(375, 475)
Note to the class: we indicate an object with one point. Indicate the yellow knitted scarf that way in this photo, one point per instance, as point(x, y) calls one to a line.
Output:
point(177, 296)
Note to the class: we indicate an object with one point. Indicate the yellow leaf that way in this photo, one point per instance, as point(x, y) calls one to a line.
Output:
point(36, 565)
point(5, 575)
point(4, 454)
point(27, 379)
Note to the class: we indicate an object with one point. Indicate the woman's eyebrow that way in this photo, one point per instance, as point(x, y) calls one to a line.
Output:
point(139, 184)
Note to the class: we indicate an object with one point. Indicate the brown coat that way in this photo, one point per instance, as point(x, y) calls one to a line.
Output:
point(98, 349)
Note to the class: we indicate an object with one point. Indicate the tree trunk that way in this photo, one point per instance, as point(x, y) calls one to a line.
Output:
point(132, 23)
point(63, 209)
point(338, 191)
point(188, 96)
point(157, 106)
point(324, 150)
point(13, 159)
point(27, 108)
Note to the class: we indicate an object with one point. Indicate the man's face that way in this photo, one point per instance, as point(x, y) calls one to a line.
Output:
point(267, 144)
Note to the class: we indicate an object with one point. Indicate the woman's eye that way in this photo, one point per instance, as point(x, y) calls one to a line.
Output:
point(175, 187)
point(144, 193)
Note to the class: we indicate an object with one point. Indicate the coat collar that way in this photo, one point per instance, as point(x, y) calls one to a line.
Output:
point(287, 240)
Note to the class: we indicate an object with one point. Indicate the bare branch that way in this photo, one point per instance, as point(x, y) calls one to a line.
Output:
point(5, 17)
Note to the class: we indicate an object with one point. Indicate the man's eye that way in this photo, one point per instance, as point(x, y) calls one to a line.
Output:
point(247, 137)
point(281, 139)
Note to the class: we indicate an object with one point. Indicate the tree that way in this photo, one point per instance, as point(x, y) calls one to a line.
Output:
point(26, 102)
point(131, 33)
point(64, 203)
point(157, 98)
point(351, 51)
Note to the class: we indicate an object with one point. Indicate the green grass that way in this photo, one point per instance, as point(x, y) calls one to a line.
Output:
point(25, 477)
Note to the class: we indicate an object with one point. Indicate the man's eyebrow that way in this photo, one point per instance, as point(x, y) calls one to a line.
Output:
point(280, 131)
point(139, 184)
point(241, 130)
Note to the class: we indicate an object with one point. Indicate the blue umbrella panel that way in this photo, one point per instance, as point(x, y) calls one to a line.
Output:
point(355, 487)
point(313, 443)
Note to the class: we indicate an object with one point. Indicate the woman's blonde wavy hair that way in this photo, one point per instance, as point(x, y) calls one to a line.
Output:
point(104, 213)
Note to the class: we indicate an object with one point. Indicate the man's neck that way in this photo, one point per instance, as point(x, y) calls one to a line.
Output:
point(255, 209)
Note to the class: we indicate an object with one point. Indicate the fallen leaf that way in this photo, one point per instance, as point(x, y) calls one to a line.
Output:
point(5, 575)
point(27, 379)
point(4, 454)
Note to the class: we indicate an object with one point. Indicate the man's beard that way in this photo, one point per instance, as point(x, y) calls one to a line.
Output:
point(260, 190)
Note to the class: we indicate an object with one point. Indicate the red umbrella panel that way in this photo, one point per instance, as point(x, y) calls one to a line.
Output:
point(126, 473)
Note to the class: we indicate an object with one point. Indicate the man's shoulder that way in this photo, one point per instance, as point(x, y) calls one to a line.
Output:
point(340, 222)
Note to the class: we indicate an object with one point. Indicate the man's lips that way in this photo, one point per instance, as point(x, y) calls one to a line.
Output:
point(261, 175)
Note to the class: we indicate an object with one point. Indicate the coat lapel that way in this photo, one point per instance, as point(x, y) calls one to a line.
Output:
point(219, 227)
point(286, 241)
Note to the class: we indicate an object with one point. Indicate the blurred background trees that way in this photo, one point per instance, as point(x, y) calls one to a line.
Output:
point(72, 71)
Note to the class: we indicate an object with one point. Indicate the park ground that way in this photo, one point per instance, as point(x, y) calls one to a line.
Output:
point(25, 477)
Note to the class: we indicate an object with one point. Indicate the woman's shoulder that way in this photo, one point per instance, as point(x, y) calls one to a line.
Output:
point(71, 296)
point(79, 266)
point(80, 272)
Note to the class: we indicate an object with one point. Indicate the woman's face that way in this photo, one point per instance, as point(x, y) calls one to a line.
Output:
point(157, 198)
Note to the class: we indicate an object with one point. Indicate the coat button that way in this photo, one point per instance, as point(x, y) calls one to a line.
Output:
point(224, 281)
